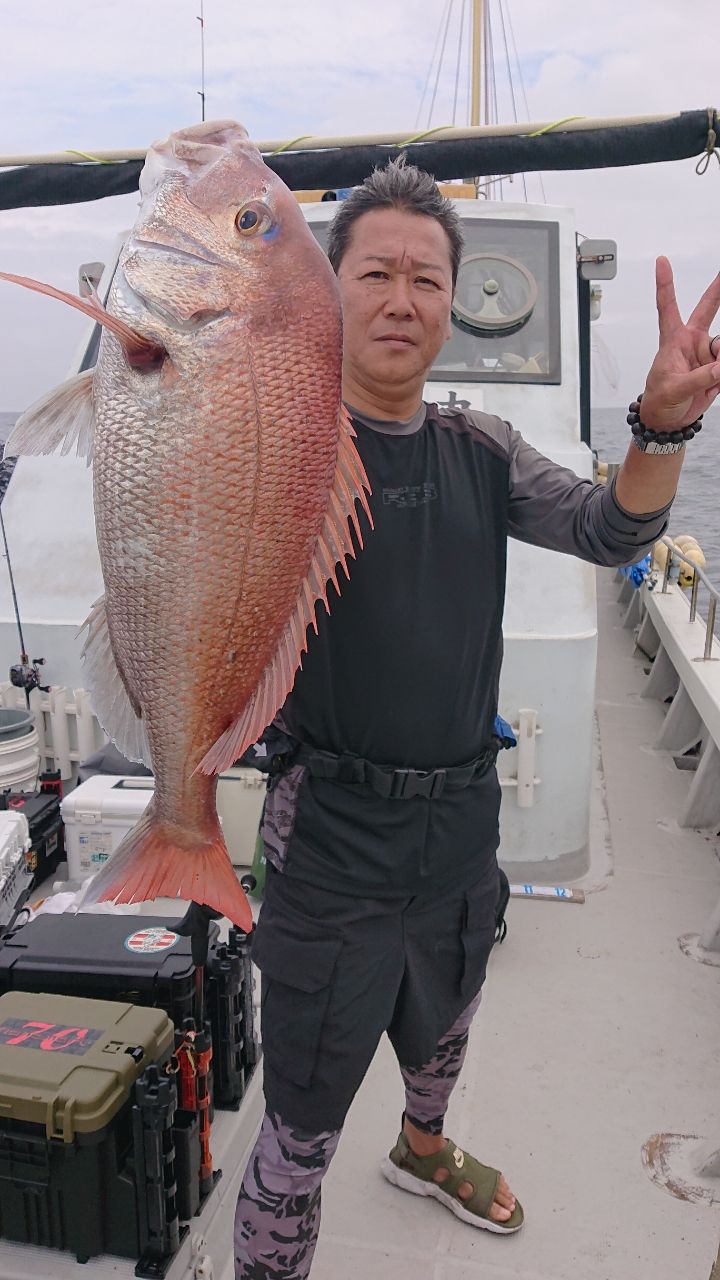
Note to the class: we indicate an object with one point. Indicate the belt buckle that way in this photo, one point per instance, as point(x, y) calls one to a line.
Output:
point(439, 778)
point(350, 768)
point(408, 783)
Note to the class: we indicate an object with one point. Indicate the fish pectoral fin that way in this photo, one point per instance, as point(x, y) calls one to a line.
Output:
point(139, 349)
point(332, 548)
point(63, 418)
point(114, 705)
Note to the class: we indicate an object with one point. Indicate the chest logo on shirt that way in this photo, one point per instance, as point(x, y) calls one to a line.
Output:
point(410, 495)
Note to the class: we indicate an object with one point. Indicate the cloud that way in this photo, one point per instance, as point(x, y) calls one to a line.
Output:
point(127, 71)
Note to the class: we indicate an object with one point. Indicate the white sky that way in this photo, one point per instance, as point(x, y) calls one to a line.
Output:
point(76, 75)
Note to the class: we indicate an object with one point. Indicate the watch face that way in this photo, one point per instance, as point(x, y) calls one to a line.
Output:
point(494, 294)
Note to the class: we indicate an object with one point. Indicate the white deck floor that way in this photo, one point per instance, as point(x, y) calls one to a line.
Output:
point(596, 1033)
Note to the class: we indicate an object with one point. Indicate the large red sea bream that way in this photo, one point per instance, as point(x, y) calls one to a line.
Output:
point(225, 486)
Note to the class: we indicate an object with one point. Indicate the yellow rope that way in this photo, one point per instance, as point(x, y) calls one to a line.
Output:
point(304, 137)
point(555, 125)
point(84, 155)
point(418, 137)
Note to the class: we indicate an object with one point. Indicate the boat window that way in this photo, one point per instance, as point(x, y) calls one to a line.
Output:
point(506, 309)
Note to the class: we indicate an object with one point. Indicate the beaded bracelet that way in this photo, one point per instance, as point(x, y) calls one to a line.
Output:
point(660, 437)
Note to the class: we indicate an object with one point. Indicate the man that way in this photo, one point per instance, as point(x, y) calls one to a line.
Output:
point(391, 794)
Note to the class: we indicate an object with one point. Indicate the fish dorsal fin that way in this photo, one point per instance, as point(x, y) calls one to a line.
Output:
point(333, 547)
point(114, 706)
point(63, 419)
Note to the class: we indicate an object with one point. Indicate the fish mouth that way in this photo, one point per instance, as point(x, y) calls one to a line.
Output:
point(179, 253)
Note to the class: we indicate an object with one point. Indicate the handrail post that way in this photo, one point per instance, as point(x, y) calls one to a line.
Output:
point(710, 629)
point(666, 574)
point(694, 597)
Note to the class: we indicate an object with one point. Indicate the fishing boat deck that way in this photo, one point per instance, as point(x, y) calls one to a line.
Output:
point(596, 1033)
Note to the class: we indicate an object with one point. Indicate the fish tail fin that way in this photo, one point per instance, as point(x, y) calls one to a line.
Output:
point(160, 859)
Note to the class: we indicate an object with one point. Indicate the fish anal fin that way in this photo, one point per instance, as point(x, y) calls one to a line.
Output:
point(114, 704)
point(333, 546)
point(63, 419)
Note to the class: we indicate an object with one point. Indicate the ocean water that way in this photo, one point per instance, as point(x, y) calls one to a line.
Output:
point(696, 509)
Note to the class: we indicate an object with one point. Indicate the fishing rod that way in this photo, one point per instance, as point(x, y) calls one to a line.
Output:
point(25, 674)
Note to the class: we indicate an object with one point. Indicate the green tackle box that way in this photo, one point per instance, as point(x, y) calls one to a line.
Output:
point(86, 1114)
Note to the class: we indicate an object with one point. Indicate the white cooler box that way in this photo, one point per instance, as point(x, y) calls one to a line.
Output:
point(99, 813)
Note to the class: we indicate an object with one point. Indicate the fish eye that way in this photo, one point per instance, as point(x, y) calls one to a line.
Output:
point(253, 219)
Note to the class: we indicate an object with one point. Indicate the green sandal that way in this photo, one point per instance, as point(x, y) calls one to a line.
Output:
point(416, 1173)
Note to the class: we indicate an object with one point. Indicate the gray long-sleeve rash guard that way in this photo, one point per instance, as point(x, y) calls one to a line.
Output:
point(404, 671)
point(550, 506)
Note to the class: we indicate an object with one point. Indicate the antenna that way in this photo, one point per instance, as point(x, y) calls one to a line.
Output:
point(201, 90)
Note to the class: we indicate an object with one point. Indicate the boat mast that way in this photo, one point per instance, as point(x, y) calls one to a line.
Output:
point(478, 52)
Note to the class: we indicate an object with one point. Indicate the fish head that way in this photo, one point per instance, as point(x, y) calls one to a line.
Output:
point(218, 238)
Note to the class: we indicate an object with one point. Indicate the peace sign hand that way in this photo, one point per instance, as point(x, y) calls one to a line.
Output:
point(684, 378)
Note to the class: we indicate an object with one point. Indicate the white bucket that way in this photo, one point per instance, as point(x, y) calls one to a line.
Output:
point(19, 756)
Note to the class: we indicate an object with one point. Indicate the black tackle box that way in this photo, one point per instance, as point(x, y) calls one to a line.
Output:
point(142, 960)
point(86, 1112)
point(47, 832)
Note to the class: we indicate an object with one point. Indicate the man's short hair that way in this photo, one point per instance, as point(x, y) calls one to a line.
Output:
point(398, 185)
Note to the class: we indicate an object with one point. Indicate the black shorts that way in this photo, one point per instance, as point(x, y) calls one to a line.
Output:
point(338, 971)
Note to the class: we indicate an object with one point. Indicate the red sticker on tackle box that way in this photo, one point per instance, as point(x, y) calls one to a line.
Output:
point(51, 1037)
point(152, 939)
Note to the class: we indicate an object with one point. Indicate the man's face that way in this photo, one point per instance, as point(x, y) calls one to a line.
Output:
point(396, 288)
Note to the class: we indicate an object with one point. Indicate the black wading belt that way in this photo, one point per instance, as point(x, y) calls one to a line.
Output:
point(386, 781)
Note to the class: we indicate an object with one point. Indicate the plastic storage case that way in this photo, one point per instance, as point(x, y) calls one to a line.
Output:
point(101, 811)
point(97, 816)
point(47, 846)
point(16, 876)
point(240, 799)
point(141, 959)
point(86, 1145)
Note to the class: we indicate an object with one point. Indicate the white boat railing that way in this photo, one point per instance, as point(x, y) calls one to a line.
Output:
point(685, 674)
point(699, 575)
point(67, 729)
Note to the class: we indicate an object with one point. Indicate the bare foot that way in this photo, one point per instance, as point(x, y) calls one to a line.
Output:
point(426, 1144)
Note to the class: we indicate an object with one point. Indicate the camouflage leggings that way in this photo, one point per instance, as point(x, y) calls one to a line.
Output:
point(278, 1211)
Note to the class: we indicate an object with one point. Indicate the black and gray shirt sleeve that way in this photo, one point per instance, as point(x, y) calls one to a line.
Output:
point(550, 506)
